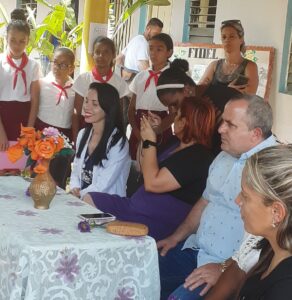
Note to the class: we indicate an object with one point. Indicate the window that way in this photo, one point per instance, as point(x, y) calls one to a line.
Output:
point(31, 3)
point(202, 21)
point(120, 32)
point(286, 66)
point(289, 69)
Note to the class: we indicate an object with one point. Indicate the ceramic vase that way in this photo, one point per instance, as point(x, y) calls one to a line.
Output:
point(43, 188)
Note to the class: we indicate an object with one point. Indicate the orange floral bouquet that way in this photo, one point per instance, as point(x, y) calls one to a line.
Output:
point(39, 146)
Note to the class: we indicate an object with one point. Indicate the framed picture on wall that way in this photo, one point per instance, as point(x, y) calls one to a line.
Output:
point(200, 55)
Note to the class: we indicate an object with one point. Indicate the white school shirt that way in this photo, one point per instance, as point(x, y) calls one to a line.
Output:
point(148, 99)
point(49, 112)
point(112, 177)
point(83, 81)
point(7, 93)
point(135, 51)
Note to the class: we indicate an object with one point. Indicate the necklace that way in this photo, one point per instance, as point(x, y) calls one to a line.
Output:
point(229, 67)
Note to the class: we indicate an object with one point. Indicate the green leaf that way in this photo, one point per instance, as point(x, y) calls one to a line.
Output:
point(29, 161)
point(66, 2)
point(31, 17)
point(77, 29)
point(55, 20)
point(132, 9)
point(3, 14)
point(158, 2)
point(66, 152)
point(46, 47)
point(45, 3)
point(70, 18)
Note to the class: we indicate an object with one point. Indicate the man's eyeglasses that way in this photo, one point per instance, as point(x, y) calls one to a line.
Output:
point(61, 66)
point(231, 22)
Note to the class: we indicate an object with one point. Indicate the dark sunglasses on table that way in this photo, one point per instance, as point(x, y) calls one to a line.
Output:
point(61, 66)
point(231, 22)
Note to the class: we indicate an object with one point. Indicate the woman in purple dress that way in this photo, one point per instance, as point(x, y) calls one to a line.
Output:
point(175, 180)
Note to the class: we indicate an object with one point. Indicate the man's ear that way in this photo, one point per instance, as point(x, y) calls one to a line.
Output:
point(170, 52)
point(257, 133)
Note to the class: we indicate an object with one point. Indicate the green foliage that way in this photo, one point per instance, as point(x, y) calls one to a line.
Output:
point(66, 152)
point(60, 23)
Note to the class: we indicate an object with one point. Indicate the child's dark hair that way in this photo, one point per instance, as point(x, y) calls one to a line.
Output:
point(180, 63)
point(165, 38)
point(18, 22)
point(68, 52)
point(173, 76)
point(109, 101)
point(105, 40)
point(155, 22)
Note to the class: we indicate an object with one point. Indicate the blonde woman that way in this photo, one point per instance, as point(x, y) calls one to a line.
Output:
point(266, 209)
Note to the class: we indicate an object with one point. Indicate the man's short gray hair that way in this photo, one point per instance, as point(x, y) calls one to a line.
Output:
point(259, 113)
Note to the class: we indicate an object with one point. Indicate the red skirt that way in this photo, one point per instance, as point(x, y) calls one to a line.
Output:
point(162, 139)
point(13, 114)
point(40, 125)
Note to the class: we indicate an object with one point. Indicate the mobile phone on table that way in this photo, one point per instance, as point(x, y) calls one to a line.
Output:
point(241, 80)
point(98, 218)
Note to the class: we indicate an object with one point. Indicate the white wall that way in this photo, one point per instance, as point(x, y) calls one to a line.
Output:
point(264, 23)
point(9, 5)
point(177, 20)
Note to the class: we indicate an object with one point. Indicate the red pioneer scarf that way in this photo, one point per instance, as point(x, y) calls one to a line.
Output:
point(154, 75)
point(24, 61)
point(62, 91)
point(99, 78)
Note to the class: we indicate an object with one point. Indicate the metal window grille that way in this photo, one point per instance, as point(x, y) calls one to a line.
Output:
point(31, 3)
point(202, 21)
point(122, 36)
point(289, 69)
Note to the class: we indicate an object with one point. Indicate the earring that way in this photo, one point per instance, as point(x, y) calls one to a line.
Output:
point(274, 224)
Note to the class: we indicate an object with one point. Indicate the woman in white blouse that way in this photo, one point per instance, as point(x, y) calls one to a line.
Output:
point(102, 161)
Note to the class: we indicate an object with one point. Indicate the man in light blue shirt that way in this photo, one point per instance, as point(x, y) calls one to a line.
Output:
point(213, 230)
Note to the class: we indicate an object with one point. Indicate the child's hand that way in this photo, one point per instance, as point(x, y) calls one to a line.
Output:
point(154, 120)
point(3, 141)
point(75, 192)
point(146, 131)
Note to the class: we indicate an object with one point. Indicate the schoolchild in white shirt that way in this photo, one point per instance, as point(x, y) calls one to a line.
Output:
point(19, 84)
point(56, 94)
point(104, 53)
point(102, 160)
point(144, 100)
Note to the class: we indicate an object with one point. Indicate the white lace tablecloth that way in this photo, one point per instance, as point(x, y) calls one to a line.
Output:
point(44, 256)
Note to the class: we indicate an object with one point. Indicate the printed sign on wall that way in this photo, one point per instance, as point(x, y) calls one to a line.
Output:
point(200, 55)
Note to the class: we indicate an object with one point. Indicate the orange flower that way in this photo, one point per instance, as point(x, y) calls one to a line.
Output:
point(40, 169)
point(60, 144)
point(15, 152)
point(38, 135)
point(34, 155)
point(45, 148)
point(28, 132)
point(23, 141)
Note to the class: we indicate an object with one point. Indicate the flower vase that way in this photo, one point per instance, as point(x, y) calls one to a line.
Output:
point(43, 188)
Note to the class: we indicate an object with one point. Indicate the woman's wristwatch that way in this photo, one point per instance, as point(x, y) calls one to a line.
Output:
point(147, 143)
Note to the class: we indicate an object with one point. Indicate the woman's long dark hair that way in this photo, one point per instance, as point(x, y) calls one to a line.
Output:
point(109, 101)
